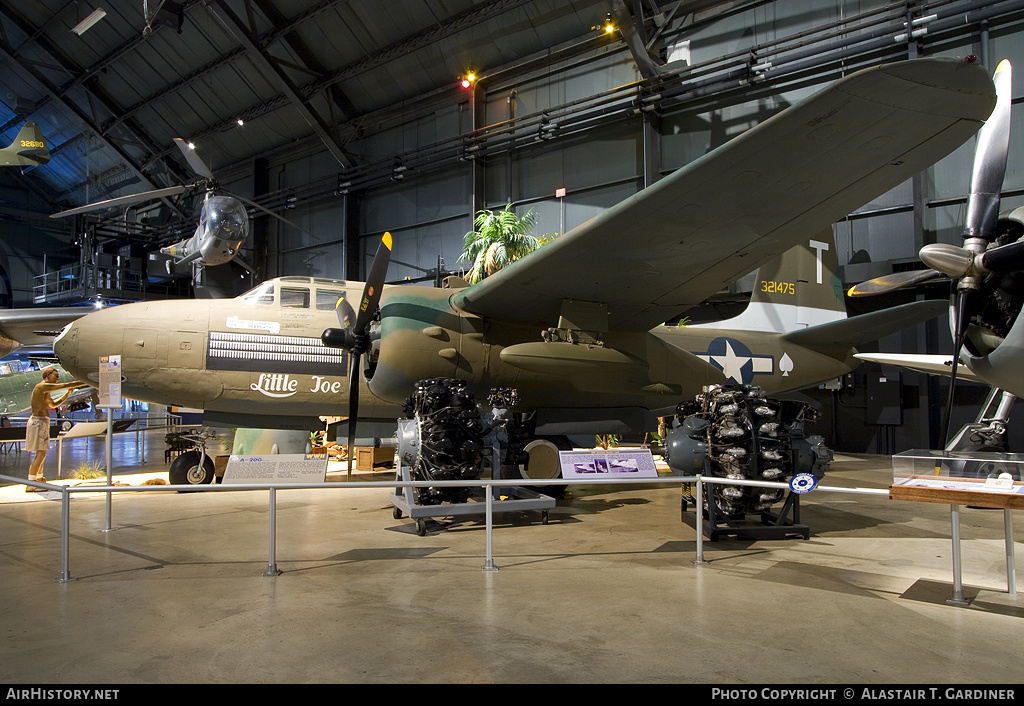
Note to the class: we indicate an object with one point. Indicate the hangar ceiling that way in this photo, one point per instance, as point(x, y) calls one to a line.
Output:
point(246, 79)
point(240, 78)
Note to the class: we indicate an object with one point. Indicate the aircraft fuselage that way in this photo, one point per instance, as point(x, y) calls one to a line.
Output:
point(260, 355)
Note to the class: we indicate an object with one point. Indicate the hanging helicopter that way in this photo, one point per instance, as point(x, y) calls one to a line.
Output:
point(223, 221)
point(987, 276)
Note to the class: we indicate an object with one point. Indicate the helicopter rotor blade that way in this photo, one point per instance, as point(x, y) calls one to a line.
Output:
point(195, 163)
point(275, 215)
point(122, 201)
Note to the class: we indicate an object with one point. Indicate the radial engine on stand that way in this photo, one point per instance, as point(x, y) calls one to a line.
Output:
point(736, 432)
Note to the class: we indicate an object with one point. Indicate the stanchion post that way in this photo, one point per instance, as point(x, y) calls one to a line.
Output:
point(272, 569)
point(1011, 569)
point(699, 524)
point(489, 513)
point(65, 535)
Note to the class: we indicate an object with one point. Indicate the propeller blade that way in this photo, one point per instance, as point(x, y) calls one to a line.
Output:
point(194, 162)
point(374, 284)
point(1005, 258)
point(894, 282)
point(990, 161)
point(963, 307)
point(353, 336)
point(122, 201)
point(353, 409)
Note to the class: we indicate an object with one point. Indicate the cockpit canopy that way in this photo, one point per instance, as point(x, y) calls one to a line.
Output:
point(299, 293)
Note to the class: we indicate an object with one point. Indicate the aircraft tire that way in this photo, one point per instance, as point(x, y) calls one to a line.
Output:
point(982, 469)
point(185, 470)
point(543, 452)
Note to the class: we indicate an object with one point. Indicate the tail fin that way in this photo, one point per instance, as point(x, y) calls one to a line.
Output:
point(28, 148)
point(797, 289)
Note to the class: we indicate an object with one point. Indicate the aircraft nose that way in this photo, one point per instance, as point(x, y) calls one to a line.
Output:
point(65, 347)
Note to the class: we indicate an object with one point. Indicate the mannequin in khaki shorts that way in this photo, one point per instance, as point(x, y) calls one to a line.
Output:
point(37, 434)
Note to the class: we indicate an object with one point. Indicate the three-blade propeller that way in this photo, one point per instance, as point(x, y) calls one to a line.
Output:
point(354, 337)
point(970, 264)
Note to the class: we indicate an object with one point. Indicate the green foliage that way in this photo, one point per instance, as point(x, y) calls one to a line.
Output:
point(607, 441)
point(500, 238)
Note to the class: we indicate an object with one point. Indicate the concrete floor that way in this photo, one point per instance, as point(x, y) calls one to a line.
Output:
point(607, 592)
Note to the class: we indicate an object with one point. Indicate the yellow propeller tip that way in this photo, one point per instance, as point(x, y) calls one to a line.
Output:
point(387, 240)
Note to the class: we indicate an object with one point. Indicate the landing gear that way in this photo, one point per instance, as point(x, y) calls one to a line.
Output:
point(985, 436)
point(187, 469)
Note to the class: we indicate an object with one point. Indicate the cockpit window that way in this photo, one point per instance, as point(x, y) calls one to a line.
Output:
point(294, 297)
point(327, 299)
point(262, 295)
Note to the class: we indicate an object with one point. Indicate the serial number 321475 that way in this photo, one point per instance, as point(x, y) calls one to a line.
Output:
point(777, 287)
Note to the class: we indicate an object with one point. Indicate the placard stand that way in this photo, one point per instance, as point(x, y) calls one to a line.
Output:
point(110, 399)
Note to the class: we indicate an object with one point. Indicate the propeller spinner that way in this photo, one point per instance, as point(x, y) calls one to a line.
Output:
point(354, 337)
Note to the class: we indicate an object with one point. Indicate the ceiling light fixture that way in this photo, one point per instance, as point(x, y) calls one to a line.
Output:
point(191, 145)
point(467, 80)
point(240, 122)
point(95, 16)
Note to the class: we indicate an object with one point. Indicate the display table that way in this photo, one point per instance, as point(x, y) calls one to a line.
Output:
point(974, 498)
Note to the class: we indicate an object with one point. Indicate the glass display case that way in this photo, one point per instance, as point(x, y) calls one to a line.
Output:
point(981, 471)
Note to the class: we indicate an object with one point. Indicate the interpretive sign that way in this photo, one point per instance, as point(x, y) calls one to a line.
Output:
point(633, 463)
point(269, 469)
point(110, 381)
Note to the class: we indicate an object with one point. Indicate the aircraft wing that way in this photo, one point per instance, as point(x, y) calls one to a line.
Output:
point(857, 330)
point(36, 327)
point(686, 237)
point(922, 363)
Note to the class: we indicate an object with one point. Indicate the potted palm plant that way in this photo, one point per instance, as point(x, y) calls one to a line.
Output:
point(500, 238)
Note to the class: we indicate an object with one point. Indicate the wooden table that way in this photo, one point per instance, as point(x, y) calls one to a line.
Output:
point(975, 498)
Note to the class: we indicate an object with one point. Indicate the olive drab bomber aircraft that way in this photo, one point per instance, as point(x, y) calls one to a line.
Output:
point(577, 327)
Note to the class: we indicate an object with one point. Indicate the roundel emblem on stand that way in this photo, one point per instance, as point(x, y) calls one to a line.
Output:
point(803, 483)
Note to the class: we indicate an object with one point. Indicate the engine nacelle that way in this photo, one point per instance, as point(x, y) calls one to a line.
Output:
point(422, 337)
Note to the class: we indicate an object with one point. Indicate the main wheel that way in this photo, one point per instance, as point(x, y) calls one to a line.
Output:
point(185, 470)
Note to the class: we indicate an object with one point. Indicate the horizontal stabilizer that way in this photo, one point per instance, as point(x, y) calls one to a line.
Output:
point(864, 328)
point(929, 364)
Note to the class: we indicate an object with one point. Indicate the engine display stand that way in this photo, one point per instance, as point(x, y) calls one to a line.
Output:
point(519, 499)
point(783, 525)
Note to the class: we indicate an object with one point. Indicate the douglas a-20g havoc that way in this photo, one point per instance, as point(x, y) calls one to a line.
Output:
point(577, 327)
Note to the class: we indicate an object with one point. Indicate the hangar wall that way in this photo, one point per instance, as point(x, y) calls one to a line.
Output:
point(612, 157)
point(614, 153)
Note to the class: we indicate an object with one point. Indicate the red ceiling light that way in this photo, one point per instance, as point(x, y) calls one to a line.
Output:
point(467, 80)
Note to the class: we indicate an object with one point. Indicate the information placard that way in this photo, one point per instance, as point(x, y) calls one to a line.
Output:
point(110, 381)
point(634, 463)
point(275, 468)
